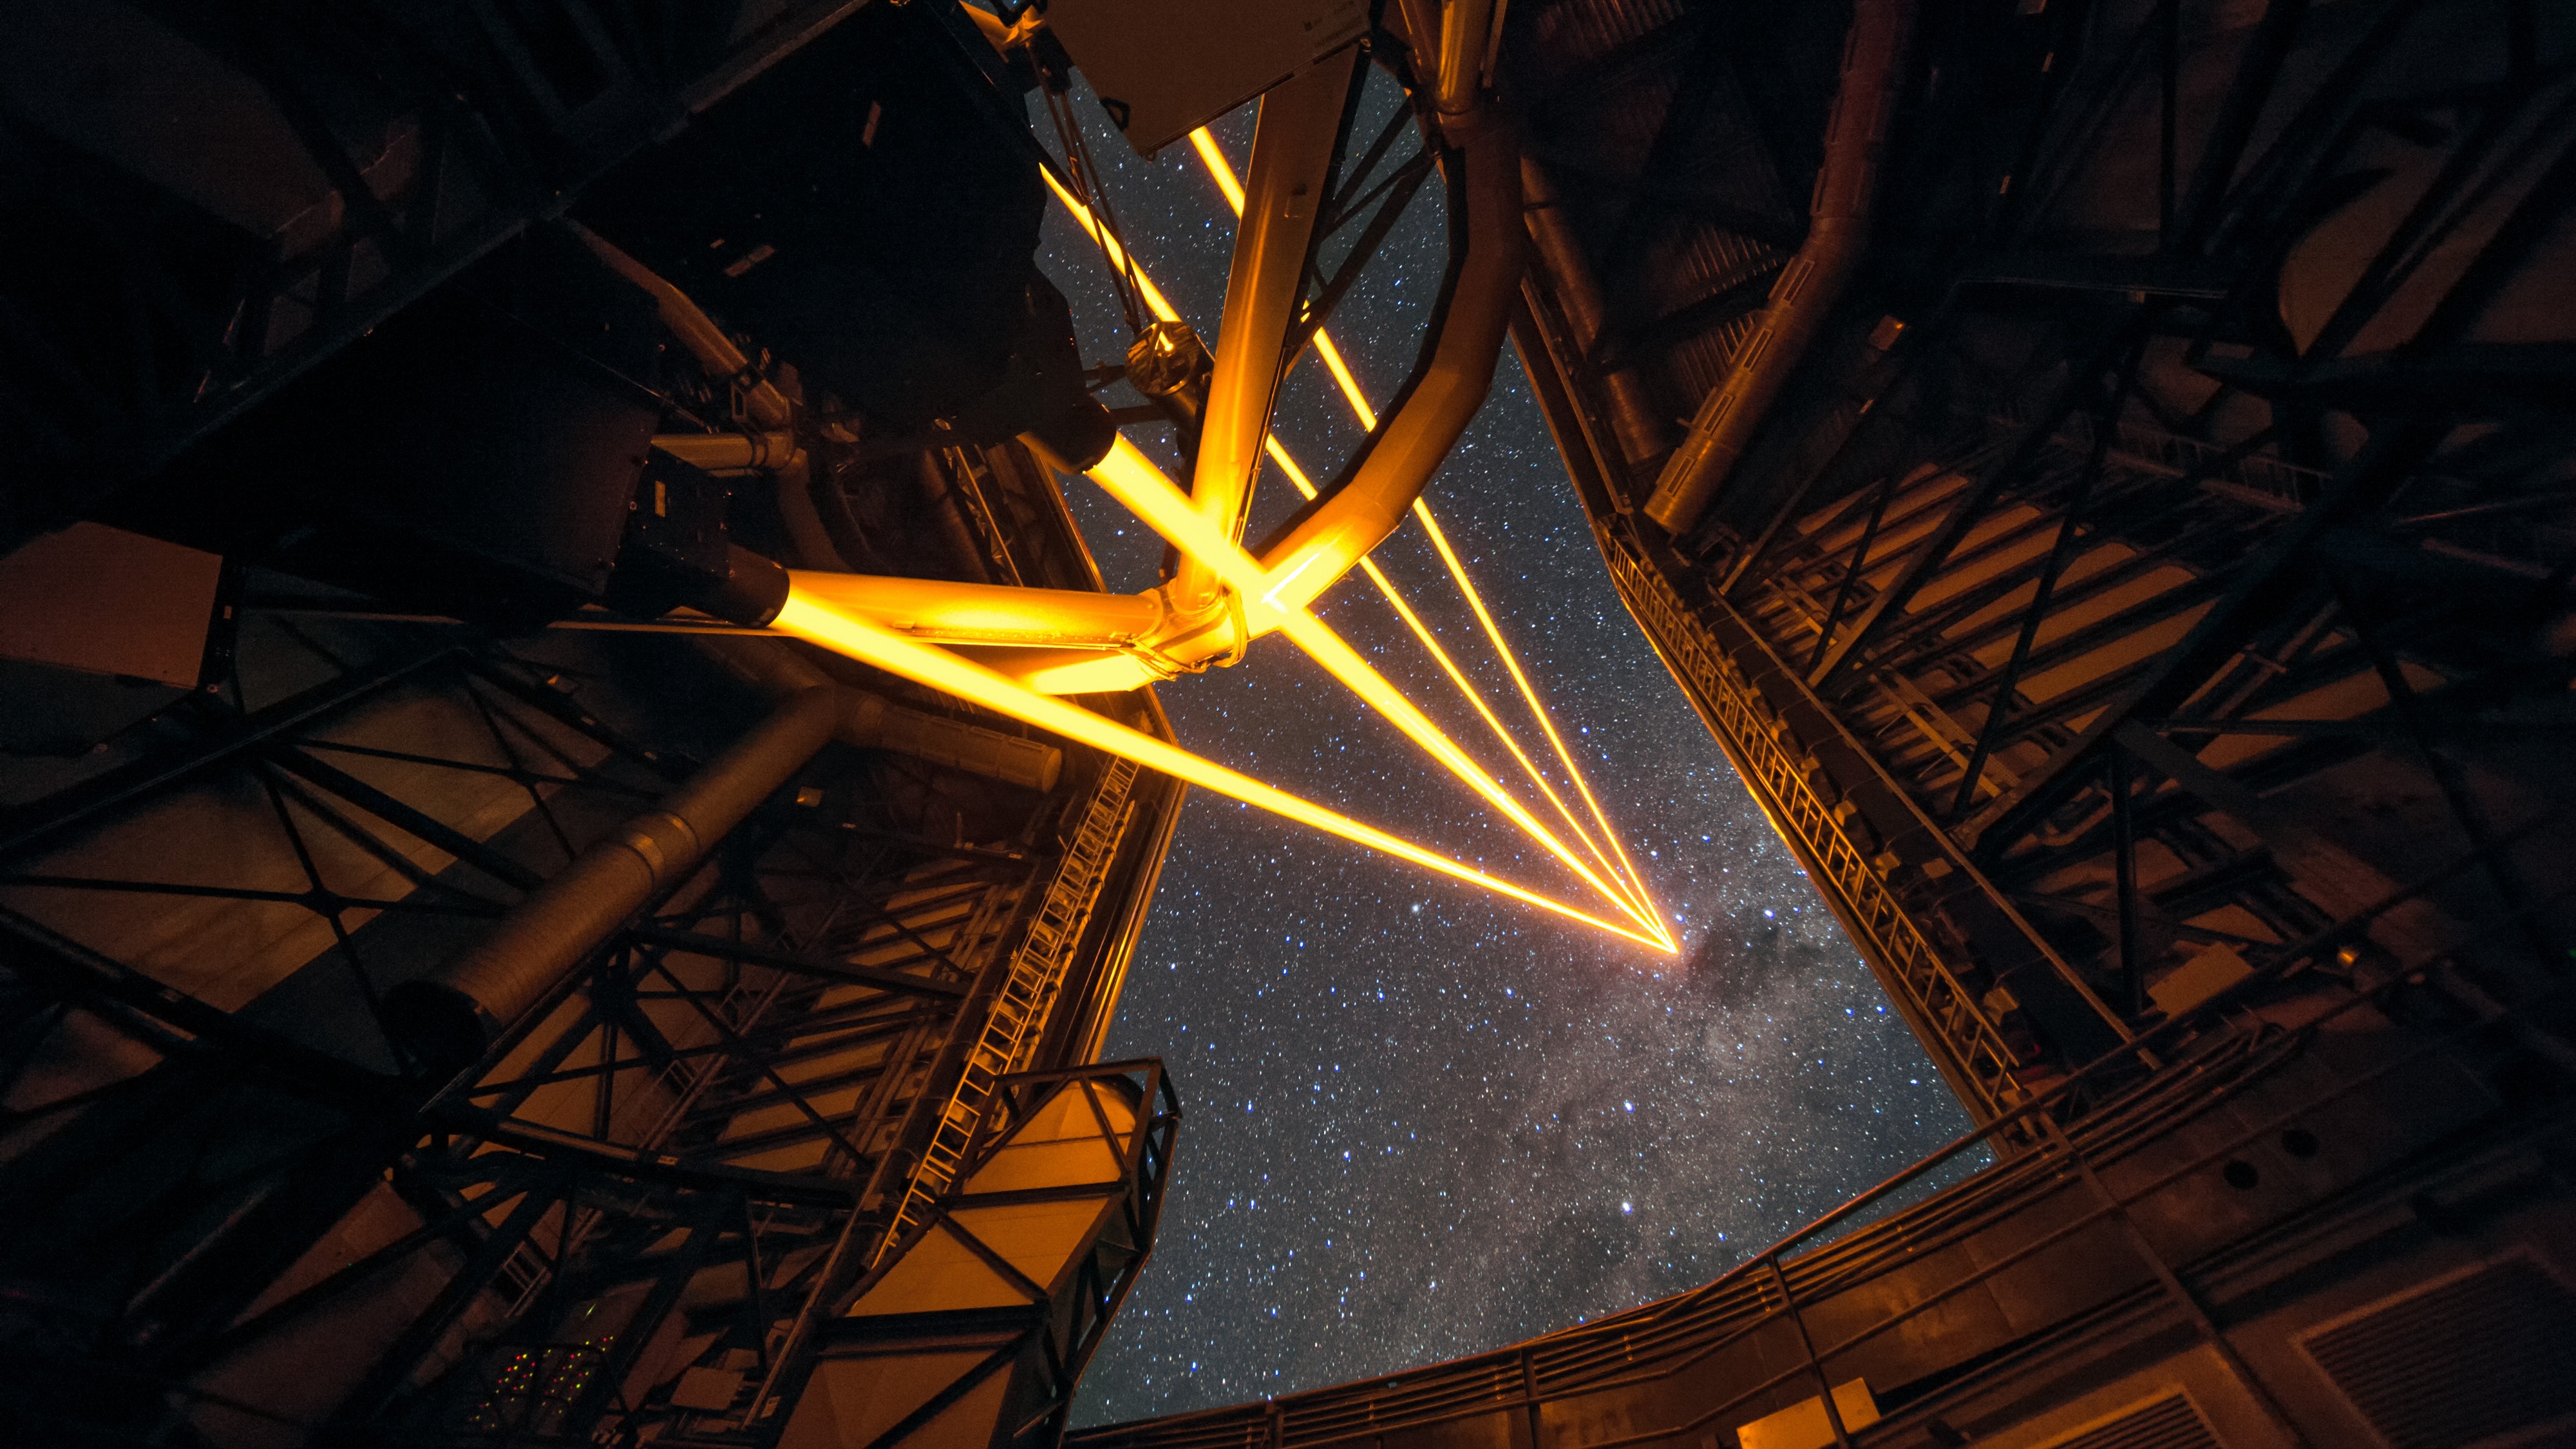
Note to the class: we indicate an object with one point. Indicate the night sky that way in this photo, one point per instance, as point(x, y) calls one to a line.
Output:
point(1425, 1121)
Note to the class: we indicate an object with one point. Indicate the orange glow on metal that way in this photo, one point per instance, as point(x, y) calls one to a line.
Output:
point(1222, 172)
point(1141, 486)
point(815, 621)
point(1133, 480)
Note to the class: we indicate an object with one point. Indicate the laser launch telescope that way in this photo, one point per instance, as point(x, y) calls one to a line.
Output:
point(577, 807)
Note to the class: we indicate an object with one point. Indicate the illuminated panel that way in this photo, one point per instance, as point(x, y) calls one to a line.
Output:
point(809, 618)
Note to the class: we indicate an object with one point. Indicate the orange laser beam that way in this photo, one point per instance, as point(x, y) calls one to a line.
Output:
point(1529, 691)
point(1476, 698)
point(809, 618)
point(1631, 895)
point(1350, 385)
point(1117, 254)
point(1133, 480)
point(1221, 171)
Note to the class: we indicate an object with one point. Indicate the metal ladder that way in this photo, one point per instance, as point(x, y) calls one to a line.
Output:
point(1026, 997)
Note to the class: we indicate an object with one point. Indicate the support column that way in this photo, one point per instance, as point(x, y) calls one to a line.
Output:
point(448, 1019)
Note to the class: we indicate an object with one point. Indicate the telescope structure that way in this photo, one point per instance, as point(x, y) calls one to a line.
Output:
point(575, 808)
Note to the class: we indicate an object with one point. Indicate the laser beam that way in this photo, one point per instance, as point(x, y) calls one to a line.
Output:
point(1317, 640)
point(1220, 170)
point(1133, 480)
point(1475, 698)
point(811, 618)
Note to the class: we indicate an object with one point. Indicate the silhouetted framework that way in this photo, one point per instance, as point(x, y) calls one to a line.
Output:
point(2118, 529)
point(373, 152)
point(2152, 574)
point(2340, 1234)
point(252, 1199)
point(493, 998)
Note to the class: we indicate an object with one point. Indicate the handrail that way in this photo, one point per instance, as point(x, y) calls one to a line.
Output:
point(1026, 997)
point(1978, 1062)
point(1656, 1340)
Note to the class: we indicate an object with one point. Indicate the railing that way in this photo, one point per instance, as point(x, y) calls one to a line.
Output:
point(2241, 473)
point(1020, 1007)
point(1680, 1334)
point(2206, 1070)
point(1981, 1064)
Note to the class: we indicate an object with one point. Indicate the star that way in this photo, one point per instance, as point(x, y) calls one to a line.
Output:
point(1426, 1121)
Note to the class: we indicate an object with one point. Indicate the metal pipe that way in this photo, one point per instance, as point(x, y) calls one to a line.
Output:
point(1335, 532)
point(1465, 28)
point(1814, 280)
point(1409, 444)
point(1292, 157)
point(1415, 437)
point(450, 1018)
point(872, 721)
point(1070, 671)
point(868, 721)
point(1641, 431)
point(731, 452)
point(967, 613)
point(1420, 25)
point(715, 352)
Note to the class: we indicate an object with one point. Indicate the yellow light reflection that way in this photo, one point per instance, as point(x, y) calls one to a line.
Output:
point(811, 619)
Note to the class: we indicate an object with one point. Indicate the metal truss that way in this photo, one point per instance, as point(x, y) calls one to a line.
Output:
point(251, 1207)
point(415, 141)
point(1926, 989)
point(1102, 1142)
point(2122, 627)
point(2137, 1225)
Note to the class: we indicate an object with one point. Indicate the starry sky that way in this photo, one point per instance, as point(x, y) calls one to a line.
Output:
point(1423, 1121)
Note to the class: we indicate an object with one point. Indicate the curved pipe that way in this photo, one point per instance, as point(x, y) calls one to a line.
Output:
point(1814, 280)
point(1332, 535)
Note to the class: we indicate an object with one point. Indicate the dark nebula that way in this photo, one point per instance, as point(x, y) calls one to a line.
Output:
point(1422, 1120)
